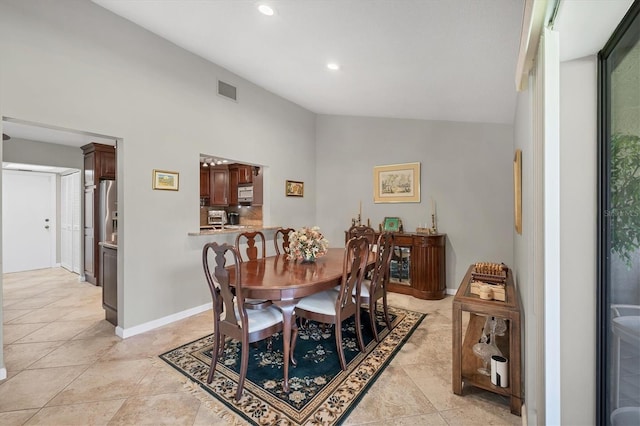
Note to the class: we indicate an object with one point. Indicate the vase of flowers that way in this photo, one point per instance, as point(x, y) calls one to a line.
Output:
point(307, 244)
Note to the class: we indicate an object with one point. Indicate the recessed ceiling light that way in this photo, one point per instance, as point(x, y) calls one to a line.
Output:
point(333, 66)
point(265, 10)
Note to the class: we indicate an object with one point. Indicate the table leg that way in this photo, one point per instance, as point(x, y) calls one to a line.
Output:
point(457, 350)
point(287, 307)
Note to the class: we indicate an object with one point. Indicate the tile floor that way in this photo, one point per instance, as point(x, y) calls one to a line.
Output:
point(66, 366)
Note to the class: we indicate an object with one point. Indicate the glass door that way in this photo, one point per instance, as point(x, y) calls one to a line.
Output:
point(619, 226)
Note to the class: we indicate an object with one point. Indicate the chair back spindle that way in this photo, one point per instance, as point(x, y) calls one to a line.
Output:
point(282, 245)
point(251, 251)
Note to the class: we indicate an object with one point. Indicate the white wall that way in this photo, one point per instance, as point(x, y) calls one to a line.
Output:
point(523, 258)
point(75, 65)
point(465, 167)
point(578, 239)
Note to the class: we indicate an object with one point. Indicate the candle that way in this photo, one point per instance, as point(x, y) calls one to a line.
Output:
point(433, 210)
point(360, 211)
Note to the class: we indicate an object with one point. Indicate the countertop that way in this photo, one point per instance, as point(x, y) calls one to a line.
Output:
point(231, 229)
point(109, 244)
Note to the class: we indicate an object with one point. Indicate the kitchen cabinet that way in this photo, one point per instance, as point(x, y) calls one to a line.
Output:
point(258, 192)
point(204, 181)
point(245, 172)
point(99, 163)
point(219, 186)
point(109, 280)
point(465, 362)
point(234, 176)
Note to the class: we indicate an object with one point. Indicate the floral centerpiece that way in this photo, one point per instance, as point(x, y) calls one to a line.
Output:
point(307, 244)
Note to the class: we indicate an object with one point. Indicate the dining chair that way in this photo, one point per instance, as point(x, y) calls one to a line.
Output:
point(231, 318)
point(334, 306)
point(362, 230)
point(375, 288)
point(284, 243)
point(252, 252)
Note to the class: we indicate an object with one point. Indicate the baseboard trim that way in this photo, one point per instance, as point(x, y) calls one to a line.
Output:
point(3, 373)
point(151, 325)
point(452, 291)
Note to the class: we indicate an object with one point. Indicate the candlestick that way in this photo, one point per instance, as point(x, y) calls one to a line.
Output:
point(434, 229)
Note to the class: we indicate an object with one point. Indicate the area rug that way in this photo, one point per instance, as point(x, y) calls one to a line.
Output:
point(320, 392)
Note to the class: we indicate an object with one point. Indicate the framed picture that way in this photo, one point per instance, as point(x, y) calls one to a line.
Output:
point(396, 183)
point(294, 188)
point(166, 180)
point(391, 224)
point(517, 191)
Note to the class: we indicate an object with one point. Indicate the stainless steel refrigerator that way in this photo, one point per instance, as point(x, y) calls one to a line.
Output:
point(108, 212)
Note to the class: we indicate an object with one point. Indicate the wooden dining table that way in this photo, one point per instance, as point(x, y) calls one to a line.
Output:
point(285, 282)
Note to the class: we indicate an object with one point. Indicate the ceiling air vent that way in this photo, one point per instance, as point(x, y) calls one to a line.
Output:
point(227, 90)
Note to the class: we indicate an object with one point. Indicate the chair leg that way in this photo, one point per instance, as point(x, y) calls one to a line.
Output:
point(215, 352)
point(243, 369)
point(359, 330)
point(294, 339)
point(372, 318)
point(343, 361)
point(385, 309)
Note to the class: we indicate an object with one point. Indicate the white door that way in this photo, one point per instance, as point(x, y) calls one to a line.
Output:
point(28, 220)
point(70, 222)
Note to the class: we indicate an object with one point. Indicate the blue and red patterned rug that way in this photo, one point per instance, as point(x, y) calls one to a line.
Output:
point(320, 392)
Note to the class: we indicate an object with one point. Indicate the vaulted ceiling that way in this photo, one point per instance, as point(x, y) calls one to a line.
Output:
point(449, 60)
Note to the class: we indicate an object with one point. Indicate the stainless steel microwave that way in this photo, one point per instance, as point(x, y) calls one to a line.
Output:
point(245, 194)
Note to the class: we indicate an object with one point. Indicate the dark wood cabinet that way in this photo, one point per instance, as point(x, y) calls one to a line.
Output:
point(99, 163)
point(465, 362)
point(204, 181)
point(244, 171)
point(245, 174)
point(109, 280)
point(219, 186)
point(258, 192)
point(234, 176)
point(418, 265)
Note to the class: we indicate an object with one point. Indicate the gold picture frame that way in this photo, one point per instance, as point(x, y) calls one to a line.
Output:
point(396, 183)
point(517, 191)
point(165, 180)
point(294, 188)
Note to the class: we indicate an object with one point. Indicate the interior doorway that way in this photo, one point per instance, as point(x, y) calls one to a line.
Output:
point(28, 220)
point(37, 147)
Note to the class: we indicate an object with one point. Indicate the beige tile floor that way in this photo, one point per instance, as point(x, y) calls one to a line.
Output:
point(66, 366)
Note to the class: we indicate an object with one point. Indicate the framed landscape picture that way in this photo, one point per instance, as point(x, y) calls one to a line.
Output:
point(396, 183)
point(166, 180)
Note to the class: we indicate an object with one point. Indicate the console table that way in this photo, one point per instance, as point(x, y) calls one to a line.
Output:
point(465, 363)
point(426, 267)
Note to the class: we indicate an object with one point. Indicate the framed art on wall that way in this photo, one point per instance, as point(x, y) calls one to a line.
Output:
point(163, 179)
point(294, 188)
point(396, 183)
point(517, 191)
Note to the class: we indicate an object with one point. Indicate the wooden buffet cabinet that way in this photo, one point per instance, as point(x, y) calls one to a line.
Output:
point(426, 265)
point(465, 363)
